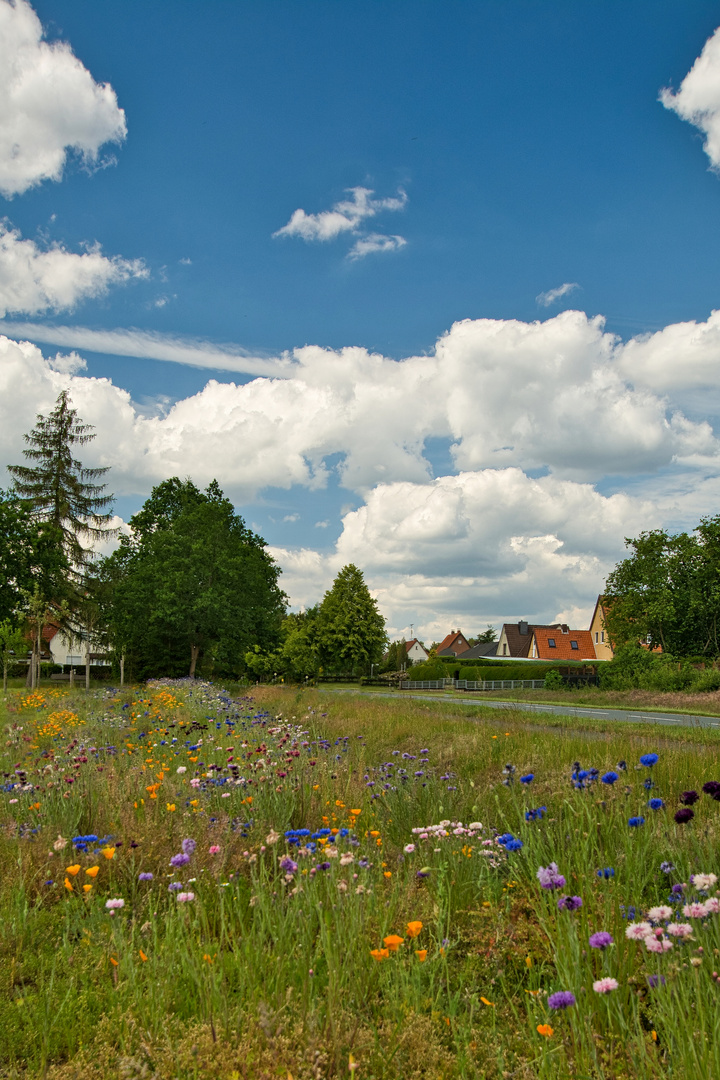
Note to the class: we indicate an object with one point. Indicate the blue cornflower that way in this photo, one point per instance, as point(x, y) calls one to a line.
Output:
point(535, 815)
point(504, 837)
point(513, 845)
point(648, 760)
point(606, 873)
point(609, 778)
point(667, 867)
point(648, 784)
point(656, 804)
point(528, 778)
point(634, 822)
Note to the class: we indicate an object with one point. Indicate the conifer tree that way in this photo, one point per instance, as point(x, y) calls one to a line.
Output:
point(351, 630)
point(59, 488)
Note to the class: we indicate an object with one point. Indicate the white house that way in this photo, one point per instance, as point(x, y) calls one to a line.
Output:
point(416, 651)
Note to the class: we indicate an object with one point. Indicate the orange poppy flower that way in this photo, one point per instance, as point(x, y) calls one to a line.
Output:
point(414, 928)
point(68, 884)
point(92, 871)
point(387, 873)
point(109, 852)
point(143, 957)
point(421, 954)
point(545, 1030)
point(356, 812)
point(73, 869)
point(87, 887)
point(393, 942)
point(113, 961)
point(379, 954)
point(486, 1002)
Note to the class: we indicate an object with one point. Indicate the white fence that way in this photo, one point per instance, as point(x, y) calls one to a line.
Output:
point(468, 684)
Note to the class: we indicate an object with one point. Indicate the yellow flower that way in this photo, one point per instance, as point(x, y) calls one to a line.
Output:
point(414, 928)
point(171, 806)
point(545, 1030)
point(92, 871)
point(109, 852)
point(73, 869)
point(87, 887)
point(393, 942)
point(379, 954)
point(421, 954)
point(193, 802)
point(356, 812)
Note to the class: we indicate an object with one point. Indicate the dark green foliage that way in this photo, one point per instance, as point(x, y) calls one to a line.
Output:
point(351, 631)
point(60, 489)
point(667, 593)
point(395, 657)
point(634, 667)
point(192, 588)
point(30, 555)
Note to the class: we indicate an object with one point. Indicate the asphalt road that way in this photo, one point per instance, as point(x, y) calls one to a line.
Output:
point(633, 716)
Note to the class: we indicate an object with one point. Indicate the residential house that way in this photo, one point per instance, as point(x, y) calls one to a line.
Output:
point(482, 649)
point(598, 632)
point(67, 652)
point(416, 651)
point(455, 644)
point(515, 638)
point(561, 644)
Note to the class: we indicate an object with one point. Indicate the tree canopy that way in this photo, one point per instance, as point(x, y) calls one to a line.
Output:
point(192, 588)
point(351, 631)
point(667, 593)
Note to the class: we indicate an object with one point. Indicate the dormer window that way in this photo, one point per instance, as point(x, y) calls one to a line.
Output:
point(551, 643)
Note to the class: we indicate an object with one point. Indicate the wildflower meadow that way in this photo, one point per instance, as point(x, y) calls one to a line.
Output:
point(295, 884)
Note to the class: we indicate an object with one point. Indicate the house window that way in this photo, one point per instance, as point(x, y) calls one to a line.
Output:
point(551, 642)
point(602, 635)
point(596, 637)
point(573, 644)
point(504, 650)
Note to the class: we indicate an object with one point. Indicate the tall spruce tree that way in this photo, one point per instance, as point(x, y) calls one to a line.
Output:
point(60, 490)
point(351, 630)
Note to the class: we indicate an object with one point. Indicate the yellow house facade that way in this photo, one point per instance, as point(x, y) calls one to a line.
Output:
point(599, 634)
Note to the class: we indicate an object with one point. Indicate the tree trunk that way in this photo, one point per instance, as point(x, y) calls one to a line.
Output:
point(87, 658)
point(122, 669)
point(31, 670)
point(72, 675)
point(194, 653)
point(5, 667)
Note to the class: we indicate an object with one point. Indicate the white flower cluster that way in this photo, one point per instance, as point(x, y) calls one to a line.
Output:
point(448, 828)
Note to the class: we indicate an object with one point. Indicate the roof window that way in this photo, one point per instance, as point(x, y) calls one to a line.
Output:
point(573, 645)
point(551, 642)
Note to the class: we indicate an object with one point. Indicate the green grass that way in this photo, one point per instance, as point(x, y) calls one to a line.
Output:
point(267, 973)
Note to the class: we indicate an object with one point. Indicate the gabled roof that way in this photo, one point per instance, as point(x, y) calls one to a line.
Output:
point(563, 647)
point(519, 644)
point(454, 644)
point(409, 644)
point(483, 648)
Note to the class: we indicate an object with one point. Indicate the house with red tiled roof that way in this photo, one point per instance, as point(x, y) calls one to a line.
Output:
point(416, 651)
point(515, 638)
point(455, 644)
point(561, 644)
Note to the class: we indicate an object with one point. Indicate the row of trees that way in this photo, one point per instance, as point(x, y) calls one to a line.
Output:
point(189, 589)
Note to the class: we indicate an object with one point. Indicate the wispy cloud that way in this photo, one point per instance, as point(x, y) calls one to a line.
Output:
point(545, 299)
point(150, 346)
point(368, 245)
point(347, 216)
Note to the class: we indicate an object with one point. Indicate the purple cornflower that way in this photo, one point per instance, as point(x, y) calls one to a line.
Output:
point(667, 867)
point(180, 860)
point(188, 847)
point(288, 865)
point(712, 788)
point(562, 999)
point(689, 798)
point(145, 877)
point(175, 886)
point(684, 814)
point(656, 980)
point(549, 877)
point(569, 903)
point(320, 865)
point(601, 940)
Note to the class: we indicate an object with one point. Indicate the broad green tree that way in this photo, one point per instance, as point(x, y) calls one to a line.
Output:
point(667, 593)
point(351, 631)
point(13, 644)
point(192, 587)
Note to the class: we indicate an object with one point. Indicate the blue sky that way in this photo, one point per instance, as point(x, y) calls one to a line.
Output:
point(509, 149)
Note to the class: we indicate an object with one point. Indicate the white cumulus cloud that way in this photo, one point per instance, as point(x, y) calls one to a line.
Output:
point(698, 99)
point(347, 216)
point(49, 104)
point(35, 279)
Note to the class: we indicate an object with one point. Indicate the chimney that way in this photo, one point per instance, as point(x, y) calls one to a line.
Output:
point(523, 627)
